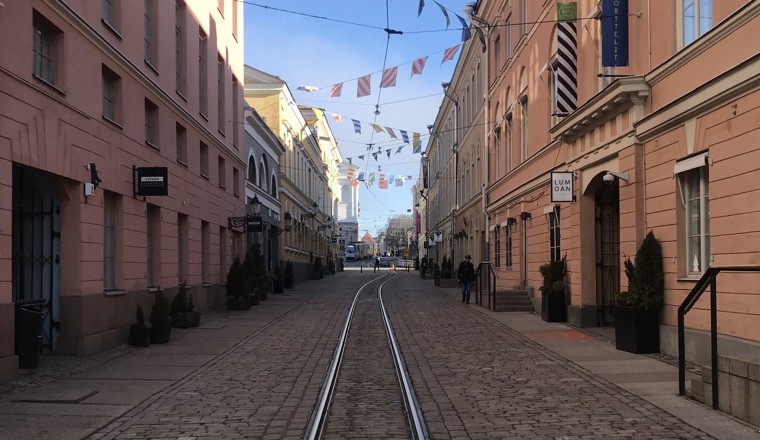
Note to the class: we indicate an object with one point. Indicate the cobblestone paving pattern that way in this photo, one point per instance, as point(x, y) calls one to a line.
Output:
point(367, 401)
point(263, 388)
point(475, 378)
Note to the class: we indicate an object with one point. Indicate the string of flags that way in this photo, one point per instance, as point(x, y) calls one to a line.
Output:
point(384, 181)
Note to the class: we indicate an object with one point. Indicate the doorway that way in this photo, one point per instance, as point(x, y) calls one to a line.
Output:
point(607, 224)
point(36, 248)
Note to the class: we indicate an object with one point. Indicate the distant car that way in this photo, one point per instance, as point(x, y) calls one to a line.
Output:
point(388, 261)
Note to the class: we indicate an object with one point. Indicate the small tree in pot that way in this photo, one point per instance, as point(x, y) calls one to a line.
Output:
point(553, 307)
point(317, 268)
point(237, 288)
point(160, 319)
point(139, 332)
point(255, 273)
point(183, 315)
point(637, 310)
point(277, 281)
point(288, 277)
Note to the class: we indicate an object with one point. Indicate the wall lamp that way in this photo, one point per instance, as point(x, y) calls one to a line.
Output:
point(288, 220)
point(609, 178)
point(322, 228)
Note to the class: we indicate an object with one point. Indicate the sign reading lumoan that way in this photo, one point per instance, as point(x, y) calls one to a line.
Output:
point(562, 187)
point(614, 33)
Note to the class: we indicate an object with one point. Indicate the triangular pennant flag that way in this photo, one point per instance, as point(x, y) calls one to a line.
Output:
point(363, 86)
point(449, 53)
point(336, 89)
point(445, 14)
point(388, 153)
point(337, 118)
point(374, 155)
point(355, 183)
point(465, 29)
point(318, 112)
point(408, 177)
point(419, 8)
point(391, 133)
point(361, 158)
point(383, 184)
point(416, 143)
point(405, 136)
point(389, 77)
point(378, 129)
point(399, 149)
point(390, 179)
point(418, 66)
point(368, 184)
point(308, 88)
point(349, 160)
point(357, 126)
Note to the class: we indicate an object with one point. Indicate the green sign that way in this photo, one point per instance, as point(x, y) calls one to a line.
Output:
point(567, 11)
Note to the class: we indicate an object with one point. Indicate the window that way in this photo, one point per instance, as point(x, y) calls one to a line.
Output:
point(110, 13)
point(695, 201)
point(222, 171)
point(508, 30)
point(151, 32)
point(524, 129)
point(222, 252)
point(202, 72)
point(235, 181)
point(153, 233)
point(110, 214)
point(151, 123)
point(508, 244)
point(509, 141)
point(220, 92)
point(497, 54)
point(697, 19)
point(252, 170)
point(204, 160)
point(554, 248)
point(235, 127)
point(182, 247)
point(205, 232)
point(497, 247)
point(47, 41)
point(554, 85)
point(273, 187)
point(179, 46)
point(111, 94)
point(181, 134)
point(523, 16)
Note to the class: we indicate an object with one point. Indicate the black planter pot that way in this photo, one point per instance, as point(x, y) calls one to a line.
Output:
point(553, 308)
point(637, 330)
point(186, 319)
point(261, 293)
point(160, 332)
point(139, 335)
point(238, 303)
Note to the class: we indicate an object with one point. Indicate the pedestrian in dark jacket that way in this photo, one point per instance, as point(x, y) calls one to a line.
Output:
point(465, 277)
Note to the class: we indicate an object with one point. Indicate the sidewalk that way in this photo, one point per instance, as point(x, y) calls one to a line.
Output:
point(652, 377)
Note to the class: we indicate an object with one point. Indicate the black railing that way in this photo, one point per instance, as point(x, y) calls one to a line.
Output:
point(709, 277)
point(485, 272)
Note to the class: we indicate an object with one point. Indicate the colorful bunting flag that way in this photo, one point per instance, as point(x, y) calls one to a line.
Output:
point(391, 133)
point(418, 66)
point(378, 129)
point(419, 8)
point(355, 183)
point(374, 155)
point(399, 149)
point(336, 89)
point(350, 174)
point(361, 158)
point(371, 179)
point(465, 29)
point(390, 179)
point(308, 88)
point(361, 173)
point(416, 143)
point(357, 126)
point(445, 14)
point(363, 86)
point(389, 77)
point(449, 53)
point(383, 183)
point(337, 117)
point(405, 136)
point(388, 153)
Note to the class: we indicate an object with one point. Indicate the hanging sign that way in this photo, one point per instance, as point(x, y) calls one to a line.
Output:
point(253, 223)
point(562, 187)
point(438, 236)
point(614, 33)
point(151, 181)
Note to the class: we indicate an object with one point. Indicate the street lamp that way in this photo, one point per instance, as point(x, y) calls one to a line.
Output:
point(256, 220)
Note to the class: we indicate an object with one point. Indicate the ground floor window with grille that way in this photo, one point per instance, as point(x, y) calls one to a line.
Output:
point(508, 245)
point(554, 235)
point(694, 194)
point(497, 247)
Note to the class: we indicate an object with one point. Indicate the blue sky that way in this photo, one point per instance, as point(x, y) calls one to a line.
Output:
point(311, 51)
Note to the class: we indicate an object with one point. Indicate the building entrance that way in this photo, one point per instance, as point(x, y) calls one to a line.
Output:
point(607, 216)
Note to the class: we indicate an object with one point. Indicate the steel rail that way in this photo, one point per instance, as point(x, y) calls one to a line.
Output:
point(319, 419)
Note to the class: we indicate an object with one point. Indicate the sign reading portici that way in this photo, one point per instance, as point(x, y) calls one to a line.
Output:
point(562, 187)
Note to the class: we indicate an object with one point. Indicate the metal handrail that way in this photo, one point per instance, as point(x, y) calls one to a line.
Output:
point(710, 276)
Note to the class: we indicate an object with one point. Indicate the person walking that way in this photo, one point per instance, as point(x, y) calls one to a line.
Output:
point(465, 276)
point(377, 264)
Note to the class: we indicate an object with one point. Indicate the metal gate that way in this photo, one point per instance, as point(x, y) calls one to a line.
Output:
point(607, 252)
point(35, 247)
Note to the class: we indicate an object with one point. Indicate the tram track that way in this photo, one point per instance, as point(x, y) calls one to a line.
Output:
point(367, 390)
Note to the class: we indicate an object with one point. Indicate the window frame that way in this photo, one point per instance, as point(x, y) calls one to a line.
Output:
point(110, 15)
point(204, 160)
point(497, 246)
point(702, 199)
point(150, 33)
point(46, 47)
point(555, 236)
point(203, 73)
point(151, 123)
point(508, 262)
point(111, 89)
point(696, 29)
point(180, 133)
point(220, 88)
point(523, 102)
point(180, 47)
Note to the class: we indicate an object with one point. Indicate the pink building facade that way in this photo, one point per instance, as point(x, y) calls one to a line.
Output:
point(666, 143)
point(89, 91)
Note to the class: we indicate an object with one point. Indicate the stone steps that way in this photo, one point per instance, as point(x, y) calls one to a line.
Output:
point(513, 301)
point(738, 386)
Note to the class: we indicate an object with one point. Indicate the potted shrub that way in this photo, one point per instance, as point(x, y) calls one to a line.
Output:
point(277, 281)
point(237, 289)
point(317, 269)
point(182, 310)
point(553, 307)
point(139, 332)
point(637, 310)
point(160, 319)
point(255, 273)
point(288, 278)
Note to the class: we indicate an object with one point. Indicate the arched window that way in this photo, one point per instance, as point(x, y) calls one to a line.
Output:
point(252, 170)
point(273, 187)
point(345, 194)
point(262, 176)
